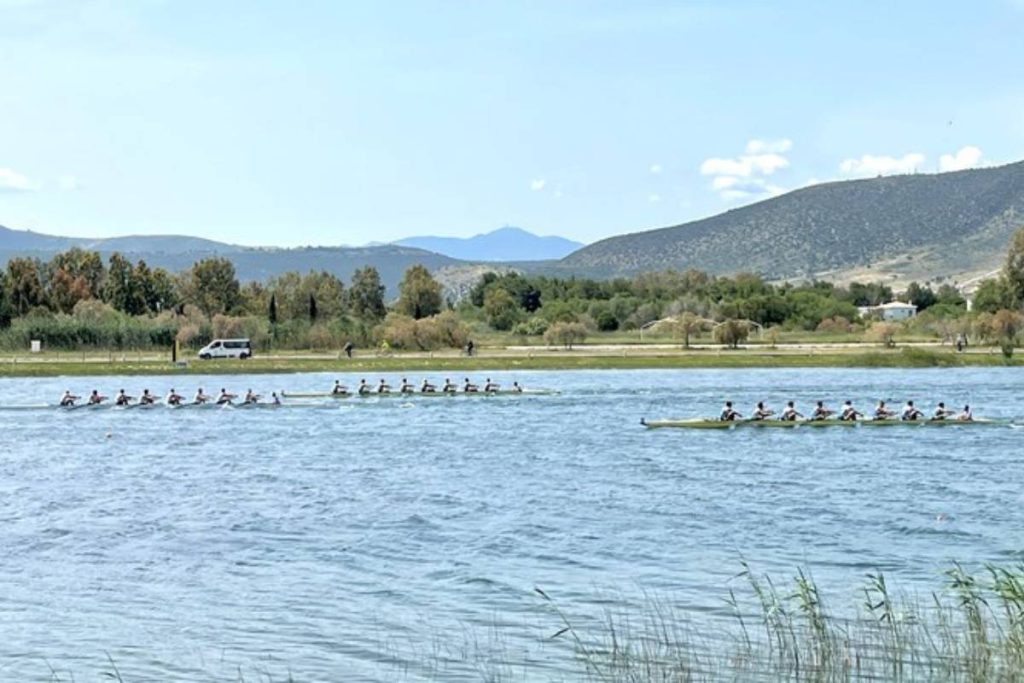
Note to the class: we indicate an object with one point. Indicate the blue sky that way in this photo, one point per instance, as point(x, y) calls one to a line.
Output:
point(291, 123)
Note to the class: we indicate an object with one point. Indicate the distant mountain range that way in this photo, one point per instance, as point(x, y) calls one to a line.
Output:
point(502, 245)
point(899, 228)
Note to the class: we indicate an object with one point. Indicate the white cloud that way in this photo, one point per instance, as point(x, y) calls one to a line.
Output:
point(12, 181)
point(780, 146)
point(654, 198)
point(744, 166)
point(965, 157)
point(745, 175)
point(655, 169)
point(872, 165)
point(538, 185)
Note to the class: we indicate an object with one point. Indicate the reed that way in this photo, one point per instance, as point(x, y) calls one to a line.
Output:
point(972, 629)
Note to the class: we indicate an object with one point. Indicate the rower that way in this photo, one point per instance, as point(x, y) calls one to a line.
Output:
point(174, 398)
point(850, 414)
point(383, 387)
point(95, 399)
point(910, 413)
point(516, 388)
point(147, 398)
point(469, 387)
point(68, 399)
point(123, 399)
point(760, 412)
point(789, 413)
point(200, 397)
point(883, 413)
point(491, 387)
point(405, 387)
point(250, 398)
point(728, 414)
point(449, 386)
point(274, 398)
point(427, 388)
point(364, 388)
point(965, 415)
point(821, 412)
point(339, 388)
point(941, 413)
point(225, 398)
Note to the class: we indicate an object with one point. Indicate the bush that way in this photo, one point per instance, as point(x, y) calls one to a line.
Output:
point(566, 334)
point(534, 327)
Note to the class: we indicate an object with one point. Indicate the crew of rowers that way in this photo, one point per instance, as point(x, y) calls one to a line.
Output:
point(173, 398)
point(848, 413)
point(406, 387)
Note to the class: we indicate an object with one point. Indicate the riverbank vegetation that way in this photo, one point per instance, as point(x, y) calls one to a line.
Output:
point(971, 629)
point(75, 301)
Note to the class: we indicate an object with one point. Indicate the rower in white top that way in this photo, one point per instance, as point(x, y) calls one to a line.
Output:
point(516, 387)
point(491, 387)
point(406, 387)
point(95, 398)
point(941, 412)
point(364, 387)
point(728, 414)
point(761, 412)
point(173, 398)
point(250, 398)
point(339, 388)
point(147, 399)
point(201, 398)
point(225, 398)
point(850, 414)
point(122, 399)
point(910, 413)
point(68, 399)
point(965, 415)
point(383, 387)
point(450, 387)
point(469, 387)
point(790, 413)
point(427, 388)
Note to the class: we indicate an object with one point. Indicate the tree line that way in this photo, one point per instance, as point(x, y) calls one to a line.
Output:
point(75, 299)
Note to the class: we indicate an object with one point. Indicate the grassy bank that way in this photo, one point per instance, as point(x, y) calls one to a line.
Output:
point(637, 357)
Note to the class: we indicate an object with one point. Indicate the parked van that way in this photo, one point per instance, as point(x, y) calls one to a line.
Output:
point(226, 348)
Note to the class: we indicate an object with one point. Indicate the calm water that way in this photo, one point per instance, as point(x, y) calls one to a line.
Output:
point(392, 540)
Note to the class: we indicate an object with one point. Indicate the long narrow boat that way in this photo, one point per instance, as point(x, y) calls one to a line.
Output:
point(418, 394)
point(702, 423)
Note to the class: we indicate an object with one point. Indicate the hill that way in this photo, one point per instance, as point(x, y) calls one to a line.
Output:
point(925, 227)
point(504, 244)
point(176, 253)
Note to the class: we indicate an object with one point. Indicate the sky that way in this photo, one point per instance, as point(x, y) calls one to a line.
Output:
point(331, 122)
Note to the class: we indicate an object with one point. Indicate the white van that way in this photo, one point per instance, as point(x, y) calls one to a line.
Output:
point(226, 348)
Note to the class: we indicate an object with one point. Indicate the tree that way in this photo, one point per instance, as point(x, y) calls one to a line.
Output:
point(312, 308)
point(1005, 327)
point(501, 309)
point(122, 289)
point(922, 297)
point(686, 324)
point(566, 334)
point(731, 333)
point(272, 310)
point(81, 263)
point(212, 286)
point(419, 294)
point(5, 304)
point(66, 290)
point(366, 295)
point(25, 289)
point(1013, 269)
point(992, 295)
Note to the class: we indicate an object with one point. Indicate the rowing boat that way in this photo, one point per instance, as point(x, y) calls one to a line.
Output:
point(152, 406)
point(702, 423)
point(417, 394)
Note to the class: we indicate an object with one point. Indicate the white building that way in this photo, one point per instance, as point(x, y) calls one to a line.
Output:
point(894, 310)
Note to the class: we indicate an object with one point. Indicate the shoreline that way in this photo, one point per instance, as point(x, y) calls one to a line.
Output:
point(54, 364)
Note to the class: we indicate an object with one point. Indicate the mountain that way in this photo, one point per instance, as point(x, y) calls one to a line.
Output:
point(176, 253)
point(926, 227)
point(504, 244)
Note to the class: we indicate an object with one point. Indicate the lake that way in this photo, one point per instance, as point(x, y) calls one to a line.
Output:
point(402, 539)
